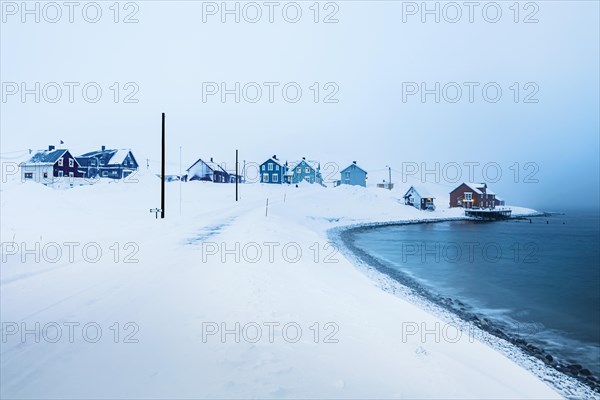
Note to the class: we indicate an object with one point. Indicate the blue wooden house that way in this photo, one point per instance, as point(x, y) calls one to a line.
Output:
point(207, 171)
point(353, 175)
point(108, 163)
point(273, 171)
point(304, 171)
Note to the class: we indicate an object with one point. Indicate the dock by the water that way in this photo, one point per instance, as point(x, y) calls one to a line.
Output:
point(489, 214)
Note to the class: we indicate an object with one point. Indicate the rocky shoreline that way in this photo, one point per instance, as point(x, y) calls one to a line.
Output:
point(345, 235)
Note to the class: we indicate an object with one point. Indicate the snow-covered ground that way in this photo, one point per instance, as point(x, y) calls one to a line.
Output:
point(219, 300)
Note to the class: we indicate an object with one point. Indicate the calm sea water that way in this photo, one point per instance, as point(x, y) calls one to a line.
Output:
point(539, 280)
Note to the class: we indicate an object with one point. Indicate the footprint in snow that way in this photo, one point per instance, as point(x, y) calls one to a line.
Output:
point(421, 352)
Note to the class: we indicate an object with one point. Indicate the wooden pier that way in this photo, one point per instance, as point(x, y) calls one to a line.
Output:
point(489, 214)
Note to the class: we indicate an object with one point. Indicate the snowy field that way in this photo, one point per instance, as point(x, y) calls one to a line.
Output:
point(101, 300)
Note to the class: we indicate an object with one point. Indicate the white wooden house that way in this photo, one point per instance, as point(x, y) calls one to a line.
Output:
point(420, 198)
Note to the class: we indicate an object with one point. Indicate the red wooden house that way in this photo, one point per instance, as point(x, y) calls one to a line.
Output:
point(473, 195)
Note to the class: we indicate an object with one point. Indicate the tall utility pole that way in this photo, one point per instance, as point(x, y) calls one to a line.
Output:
point(162, 171)
point(390, 176)
point(236, 174)
point(179, 180)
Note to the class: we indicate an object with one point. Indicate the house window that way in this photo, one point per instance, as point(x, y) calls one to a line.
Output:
point(45, 175)
point(60, 162)
point(298, 170)
point(347, 175)
point(28, 175)
point(71, 162)
point(468, 196)
point(307, 170)
point(262, 167)
point(277, 168)
point(266, 178)
point(60, 174)
point(270, 167)
point(71, 175)
point(104, 173)
point(275, 178)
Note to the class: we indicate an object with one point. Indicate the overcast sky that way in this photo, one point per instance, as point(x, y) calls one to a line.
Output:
point(369, 58)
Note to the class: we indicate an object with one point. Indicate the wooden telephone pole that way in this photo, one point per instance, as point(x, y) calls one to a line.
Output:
point(162, 171)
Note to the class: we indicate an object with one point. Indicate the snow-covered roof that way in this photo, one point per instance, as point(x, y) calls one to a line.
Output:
point(422, 191)
point(46, 157)
point(475, 187)
point(107, 156)
point(119, 156)
point(210, 164)
point(311, 163)
point(275, 160)
point(479, 188)
point(354, 165)
point(214, 166)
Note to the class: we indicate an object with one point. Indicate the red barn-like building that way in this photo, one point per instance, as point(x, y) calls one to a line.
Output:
point(473, 195)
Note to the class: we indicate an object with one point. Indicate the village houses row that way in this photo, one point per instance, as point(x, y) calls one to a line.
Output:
point(58, 167)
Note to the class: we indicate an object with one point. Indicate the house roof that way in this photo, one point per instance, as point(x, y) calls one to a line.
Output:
point(119, 156)
point(311, 163)
point(108, 156)
point(46, 157)
point(83, 161)
point(103, 156)
point(210, 164)
point(275, 160)
point(354, 165)
point(422, 191)
point(475, 187)
point(479, 188)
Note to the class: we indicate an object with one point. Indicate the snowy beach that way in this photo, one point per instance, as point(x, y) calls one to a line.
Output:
point(229, 300)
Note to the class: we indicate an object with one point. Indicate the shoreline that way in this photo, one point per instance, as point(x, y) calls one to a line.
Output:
point(562, 377)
